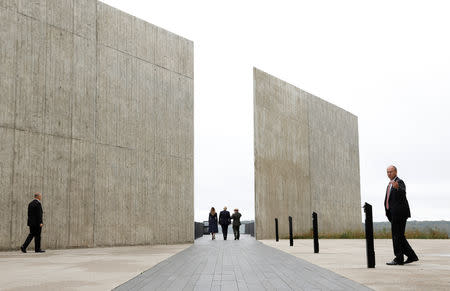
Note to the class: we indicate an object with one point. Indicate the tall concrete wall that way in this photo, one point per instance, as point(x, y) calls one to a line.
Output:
point(306, 159)
point(96, 112)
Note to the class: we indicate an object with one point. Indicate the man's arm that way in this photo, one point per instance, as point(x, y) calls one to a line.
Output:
point(30, 211)
point(401, 186)
point(40, 215)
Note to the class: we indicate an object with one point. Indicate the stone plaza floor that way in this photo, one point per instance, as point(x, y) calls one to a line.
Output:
point(347, 257)
point(79, 269)
point(246, 264)
point(228, 265)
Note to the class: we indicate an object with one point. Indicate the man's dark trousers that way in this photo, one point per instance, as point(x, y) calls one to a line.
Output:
point(401, 245)
point(236, 231)
point(224, 230)
point(35, 231)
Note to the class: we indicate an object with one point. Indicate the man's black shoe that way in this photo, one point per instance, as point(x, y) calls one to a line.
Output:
point(410, 260)
point(394, 263)
point(39, 251)
point(24, 250)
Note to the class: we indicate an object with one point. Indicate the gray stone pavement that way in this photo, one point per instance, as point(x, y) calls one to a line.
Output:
point(246, 264)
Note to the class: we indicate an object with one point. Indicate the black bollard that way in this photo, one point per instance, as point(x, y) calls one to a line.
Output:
point(370, 250)
point(276, 230)
point(291, 238)
point(315, 233)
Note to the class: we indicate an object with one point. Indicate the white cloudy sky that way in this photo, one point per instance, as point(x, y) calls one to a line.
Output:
point(388, 62)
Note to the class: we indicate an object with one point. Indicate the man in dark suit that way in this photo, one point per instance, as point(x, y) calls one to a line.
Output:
point(35, 223)
point(236, 223)
point(397, 211)
point(224, 221)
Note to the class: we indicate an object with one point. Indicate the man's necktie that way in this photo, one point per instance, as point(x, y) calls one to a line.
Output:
point(387, 195)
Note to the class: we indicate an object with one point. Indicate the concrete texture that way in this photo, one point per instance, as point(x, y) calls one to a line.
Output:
point(245, 264)
point(348, 258)
point(306, 159)
point(96, 112)
point(80, 269)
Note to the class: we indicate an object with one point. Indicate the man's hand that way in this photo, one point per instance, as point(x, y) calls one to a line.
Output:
point(395, 184)
point(41, 224)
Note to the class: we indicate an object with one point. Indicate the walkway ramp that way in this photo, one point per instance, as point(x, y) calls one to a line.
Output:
point(244, 264)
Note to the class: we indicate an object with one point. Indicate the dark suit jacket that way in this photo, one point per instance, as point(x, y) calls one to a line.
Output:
point(236, 219)
point(398, 204)
point(34, 213)
point(224, 217)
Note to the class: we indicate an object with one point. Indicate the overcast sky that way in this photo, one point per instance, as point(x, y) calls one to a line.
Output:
point(388, 62)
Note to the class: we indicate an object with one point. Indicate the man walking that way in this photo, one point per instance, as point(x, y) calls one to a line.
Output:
point(35, 223)
point(236, 223)
point(397, 211)
point(224, 221)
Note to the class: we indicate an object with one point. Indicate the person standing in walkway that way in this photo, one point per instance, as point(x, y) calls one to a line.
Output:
point(35, 223)
point(224, 221)
point(397, 211)
point(236, 223)
point(212, 222)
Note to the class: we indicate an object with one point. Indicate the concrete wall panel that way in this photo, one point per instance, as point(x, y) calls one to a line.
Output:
point(85, 18)
point(36, 9)
point(60, 13)
point(107, 25)
point(59, 82)
point(8, 32)
point(190, 60)
point(84, 89)
point(145, 219)
point(161, 188)
point(173, 114)
point(126, 35)
point(187, 117)
point(81, 194)
point(9, 4)
point(161, 52)
point(28, 179)
point(188, 189)
point(145, 40)
point(126, 101)
point(6, 162)
point(145, 106)
point(56, 200)
point(162, 83)
point(31, 59)
point(306, 159)
point(107, 87)
point(107, 205)
point(90, 119)
point(334, 152)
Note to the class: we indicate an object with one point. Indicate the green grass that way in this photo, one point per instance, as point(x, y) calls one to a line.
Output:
point(429, 233)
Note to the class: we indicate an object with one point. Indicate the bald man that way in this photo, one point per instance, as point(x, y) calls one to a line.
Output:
point(224, 221)
point(35, 223)
point(397, 211)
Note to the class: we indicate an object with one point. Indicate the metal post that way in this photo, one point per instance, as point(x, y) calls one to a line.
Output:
point(369, 236)
point(315, 233)
point(276, 230)
point(291, 238)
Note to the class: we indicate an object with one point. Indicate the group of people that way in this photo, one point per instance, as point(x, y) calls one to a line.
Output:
point(395, 204)
point(224, 220)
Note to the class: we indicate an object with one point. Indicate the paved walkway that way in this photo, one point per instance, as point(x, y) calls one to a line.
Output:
point(347, 257)
point(237, 265)
point(80, 269)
